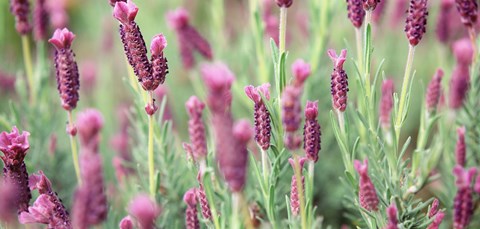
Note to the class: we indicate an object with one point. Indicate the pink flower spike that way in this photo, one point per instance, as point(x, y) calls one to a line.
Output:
point(463, 51)
point(392, 217)
point(311, 110)
point(159, 42)
point(434, 208)
point(437, 221)
point(126, 223)
point(190, 198)
point(125, 12)
point(367, 193)
point(338, 60)
point(460, 147)
point(301, 71)
point(62, 38)
point(145, 211)
point(464, 177)
point(178, 18)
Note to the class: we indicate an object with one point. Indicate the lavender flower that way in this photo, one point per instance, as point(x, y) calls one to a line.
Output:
point(218, 79)
point(40, 20)
point(48, 208)
point(461, 148)
point(234, 165)
point(468, 10)
point(392, 217)
point(443, 29)
point(434, 90)
point(90, 123)
point(14, 147)
point(145, 211)
point(339, 83)
point(202, 199)
point(126, 223)
point(463, 203)
point(291, 116)
point(386, 102)
point(20, 9)
point(312, 132)
point(7, 82)
point(437, 221)
point(68, 82)
point(370, 5)
point(261, 114)
point(196, 128)
point(189, 39)
point(294, 197)
point(284, 3)
point(416, 21)
point(463, 52)
point(434, 208)
point(356, 13)
point(459, 85)
point(367, 194)
point(90, 201)
point(191, 215)
point(159, 63)
point(133, 42)
point(301, 71)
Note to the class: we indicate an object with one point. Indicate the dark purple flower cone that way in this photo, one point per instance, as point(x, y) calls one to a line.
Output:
point(356, 13)
point(416, 21)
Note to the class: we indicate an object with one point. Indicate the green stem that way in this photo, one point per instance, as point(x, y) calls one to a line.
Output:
point(367, 61)
point(298, 178)
point(73, 144)
point(151, 163)
point(265, 168)
point(403, 95)
point(27, 58)
point(208, 191)
point(282, 30)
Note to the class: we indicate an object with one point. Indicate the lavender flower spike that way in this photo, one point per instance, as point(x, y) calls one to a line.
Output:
point(234, 166)
point(356, 13)
point(294, 197)
point(392, 217)
point(461, 148)
point(68, 82)
point(196, 128)
point(218, 79)
point(434, 90)
point(159, 64)
point(437, 221)
point(301, 71)
point(133, 42)
point(14, 147)
point(339, 83)
point(48, 208)
point(459, 85)
point(416, 21)
point(41, 16)
point(468, 10)
point(312, 132)
point(191, 216)
point(261, 114)
point(20, 9)
point(202, 199)
point(386, 102)
point(444, 28)
point(367, 194)
point(463, 51)
point(463, 203)
point(126, 223)
point(434, 208)
point(291, 116)
point(145, 211)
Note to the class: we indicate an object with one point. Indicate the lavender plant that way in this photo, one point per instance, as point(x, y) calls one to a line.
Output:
point(270, 128)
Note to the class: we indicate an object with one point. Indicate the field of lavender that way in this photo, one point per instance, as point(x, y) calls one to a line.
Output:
point(268, 114)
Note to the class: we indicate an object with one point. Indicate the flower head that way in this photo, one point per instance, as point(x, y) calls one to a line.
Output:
point(416, 21)
point(196, 128)
point(125, 12)
point(40, 16)
point(90, 123)
point(21, 9)
point(386, 102)
point(311, 132)
point(14, 146)
point(62, 39)
point(145, 211)
point(468, 10)
point(392, 217)
point(463, 51)
point(218, 78)
point(434, 90)
point(370, 4)
point(126, 223)
point(437, 221)
point(294, 195)
point(367, 194)
point(301, 71)
point(284, 3)
point(261, 114)
point(459, 85)
point(463, 203)
point(356, 13)
point(339, 80)
point(461, 148)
